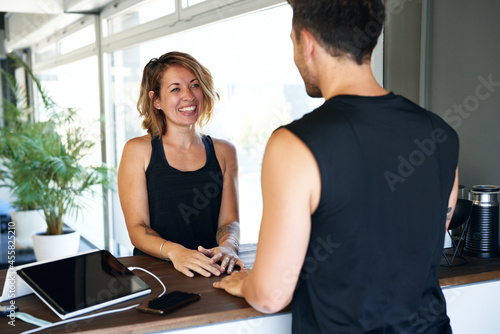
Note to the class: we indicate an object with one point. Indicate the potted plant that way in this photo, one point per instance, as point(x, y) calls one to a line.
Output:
point(17, 114)
point(49, 156)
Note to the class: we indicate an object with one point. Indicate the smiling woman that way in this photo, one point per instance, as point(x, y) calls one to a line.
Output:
point(180, 97)
point(178, 188)
point(182, 100)
point(175, 80)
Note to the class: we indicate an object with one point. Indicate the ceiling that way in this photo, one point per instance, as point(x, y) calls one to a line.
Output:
point(27, 21)
point(52, 6)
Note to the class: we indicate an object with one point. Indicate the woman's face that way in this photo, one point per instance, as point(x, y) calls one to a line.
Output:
point(181, 97)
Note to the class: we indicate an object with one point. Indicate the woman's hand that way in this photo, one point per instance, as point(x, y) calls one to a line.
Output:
point(227, 256)
point(189, 261)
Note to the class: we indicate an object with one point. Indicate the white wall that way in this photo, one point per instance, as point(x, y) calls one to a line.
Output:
point(474, 308)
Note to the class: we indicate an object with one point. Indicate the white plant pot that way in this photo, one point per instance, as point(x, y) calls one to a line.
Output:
point(51, 247)
point(27, 223)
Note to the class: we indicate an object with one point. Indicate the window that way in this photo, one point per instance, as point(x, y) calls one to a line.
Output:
point(75, 86)
point(78, 39)
point(47, 52)
point(145, 12)
point(188, 3)
point(259, 85)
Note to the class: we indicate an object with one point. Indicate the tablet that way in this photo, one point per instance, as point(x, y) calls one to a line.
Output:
point(83, 283)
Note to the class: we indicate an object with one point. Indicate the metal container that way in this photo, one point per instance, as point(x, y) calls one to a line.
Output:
point(461, 192)
point(458, 231)
point(482, 235)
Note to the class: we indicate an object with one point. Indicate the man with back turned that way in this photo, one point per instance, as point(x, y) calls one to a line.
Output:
point(357, 194)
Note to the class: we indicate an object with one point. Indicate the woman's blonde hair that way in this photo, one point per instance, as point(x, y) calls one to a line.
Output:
point(154, 119)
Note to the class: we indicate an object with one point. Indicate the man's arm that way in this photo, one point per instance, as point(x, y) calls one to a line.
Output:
point(290, 189)
point(452, 202)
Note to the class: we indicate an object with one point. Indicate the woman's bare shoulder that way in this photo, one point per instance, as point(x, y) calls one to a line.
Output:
point(226, 154)
point(224, 146)
point(139, 142)
point(138, 145)
point(224, 149)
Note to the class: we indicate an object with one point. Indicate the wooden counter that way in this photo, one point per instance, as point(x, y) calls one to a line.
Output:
point(476, 270)
point(214, 306)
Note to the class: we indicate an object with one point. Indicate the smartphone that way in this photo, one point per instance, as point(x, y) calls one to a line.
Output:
point(168, 302)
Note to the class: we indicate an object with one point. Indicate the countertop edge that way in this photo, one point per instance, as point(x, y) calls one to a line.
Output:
point(468, 279)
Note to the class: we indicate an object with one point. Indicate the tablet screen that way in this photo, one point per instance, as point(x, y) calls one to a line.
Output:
point(84, 282)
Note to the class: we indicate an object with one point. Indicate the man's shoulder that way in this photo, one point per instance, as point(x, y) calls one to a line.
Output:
point(307, 120)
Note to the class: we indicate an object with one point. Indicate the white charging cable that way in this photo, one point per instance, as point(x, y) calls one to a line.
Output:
point(62, 322)
point(163, 285)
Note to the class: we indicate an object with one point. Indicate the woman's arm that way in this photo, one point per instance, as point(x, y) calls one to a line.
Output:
point(134, 201)
point(228, 233)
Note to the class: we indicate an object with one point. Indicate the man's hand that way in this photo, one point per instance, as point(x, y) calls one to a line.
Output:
point(234, 283)
point(227, 256)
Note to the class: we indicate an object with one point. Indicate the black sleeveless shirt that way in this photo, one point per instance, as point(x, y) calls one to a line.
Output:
point(184, 206)
point(387, 168)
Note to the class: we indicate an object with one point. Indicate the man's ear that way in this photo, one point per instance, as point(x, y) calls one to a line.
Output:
point(309, 44)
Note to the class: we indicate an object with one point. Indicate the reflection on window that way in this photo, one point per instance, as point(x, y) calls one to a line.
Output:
point(258, 82)
point(146, 12)
point(187, 3)
point(78, 39)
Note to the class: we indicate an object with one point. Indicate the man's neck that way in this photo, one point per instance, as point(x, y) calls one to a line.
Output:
point(345, 77)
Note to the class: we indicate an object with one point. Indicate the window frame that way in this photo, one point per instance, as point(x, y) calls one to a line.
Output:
point(72, 56)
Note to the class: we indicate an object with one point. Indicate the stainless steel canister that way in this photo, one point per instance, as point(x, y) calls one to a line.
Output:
point(461, 192)
point(457, 232)
point(482, 234)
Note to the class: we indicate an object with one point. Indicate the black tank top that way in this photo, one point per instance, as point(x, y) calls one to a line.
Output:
point(387, 168)
point(184, 206)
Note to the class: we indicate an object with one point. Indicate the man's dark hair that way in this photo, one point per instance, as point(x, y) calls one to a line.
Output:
point(342, 27)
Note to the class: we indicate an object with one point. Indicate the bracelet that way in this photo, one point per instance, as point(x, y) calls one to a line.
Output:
point(161, 256)
point(234, 241)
